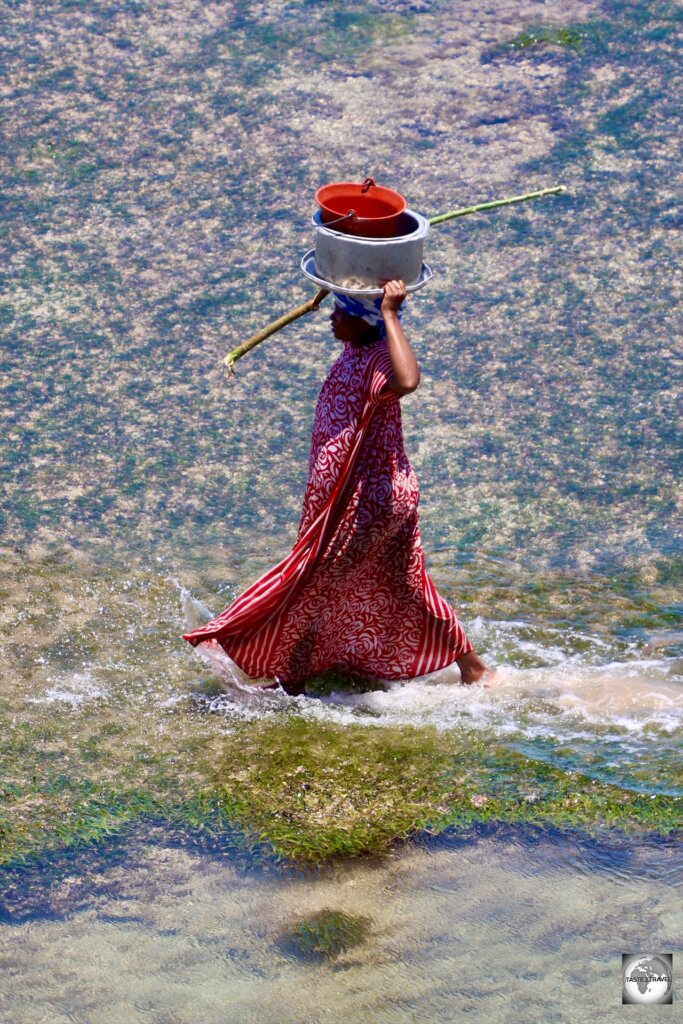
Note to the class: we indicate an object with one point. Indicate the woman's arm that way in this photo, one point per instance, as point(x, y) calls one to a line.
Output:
point(406, 376)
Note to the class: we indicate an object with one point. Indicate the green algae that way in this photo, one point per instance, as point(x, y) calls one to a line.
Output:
point(314, 792)
point(568, 36)
point(107, 718)
point(542, 41)
point(324, 935)
point(306, 792)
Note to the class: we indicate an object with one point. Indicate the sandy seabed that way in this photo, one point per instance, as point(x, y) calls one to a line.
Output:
point(509, 926)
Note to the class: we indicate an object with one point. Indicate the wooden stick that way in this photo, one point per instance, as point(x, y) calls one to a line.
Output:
point(265, 332)
point(312, 304)
point(497, 202)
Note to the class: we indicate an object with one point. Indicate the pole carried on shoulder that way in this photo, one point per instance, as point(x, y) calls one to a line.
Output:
point(265, 332)
point(312, 305)
point(480, 207)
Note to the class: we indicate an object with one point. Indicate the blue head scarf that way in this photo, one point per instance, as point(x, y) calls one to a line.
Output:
point(367, 309)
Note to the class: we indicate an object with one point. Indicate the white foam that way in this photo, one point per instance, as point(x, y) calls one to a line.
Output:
point(76, 690)
point(565, 702)
point(568, 696)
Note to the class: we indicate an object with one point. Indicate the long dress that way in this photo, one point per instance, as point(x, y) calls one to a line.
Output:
point(354, 594)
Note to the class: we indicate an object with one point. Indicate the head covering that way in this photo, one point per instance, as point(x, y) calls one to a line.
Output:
point(367, 309)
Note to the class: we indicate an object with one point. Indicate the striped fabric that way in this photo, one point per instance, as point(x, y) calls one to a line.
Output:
point(354, 593)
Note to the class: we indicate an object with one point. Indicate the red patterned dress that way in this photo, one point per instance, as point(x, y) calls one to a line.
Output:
point(354, 593)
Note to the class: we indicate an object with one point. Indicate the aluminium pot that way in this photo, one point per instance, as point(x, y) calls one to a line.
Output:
point(353, 262)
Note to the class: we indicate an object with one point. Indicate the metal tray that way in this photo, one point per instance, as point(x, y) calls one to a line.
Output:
point(309, 269)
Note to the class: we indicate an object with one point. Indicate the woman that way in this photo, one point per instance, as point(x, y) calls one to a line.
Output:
point(354, 594)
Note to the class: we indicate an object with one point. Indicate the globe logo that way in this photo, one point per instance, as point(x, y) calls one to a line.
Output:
point(648, 978)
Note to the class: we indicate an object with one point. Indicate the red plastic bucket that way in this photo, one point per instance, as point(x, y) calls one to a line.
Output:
point(366, 210)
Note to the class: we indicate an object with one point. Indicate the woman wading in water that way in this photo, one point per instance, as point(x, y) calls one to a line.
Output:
point(354, 594)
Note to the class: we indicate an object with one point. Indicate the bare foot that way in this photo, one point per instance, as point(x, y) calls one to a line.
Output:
point(293, 689)
point(473, 670)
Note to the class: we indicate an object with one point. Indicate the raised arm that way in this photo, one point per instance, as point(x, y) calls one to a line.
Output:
point(406, 375)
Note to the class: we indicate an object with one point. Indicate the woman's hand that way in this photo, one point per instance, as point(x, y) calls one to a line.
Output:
point(406, 375)
point(394, 294)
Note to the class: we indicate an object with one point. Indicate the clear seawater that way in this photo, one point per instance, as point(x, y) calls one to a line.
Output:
point(158, 171)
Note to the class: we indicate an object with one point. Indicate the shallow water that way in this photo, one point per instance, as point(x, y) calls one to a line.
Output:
point(514, 924)
point(157, 184)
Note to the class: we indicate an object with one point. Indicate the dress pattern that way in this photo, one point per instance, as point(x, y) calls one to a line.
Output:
point(354, 593)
